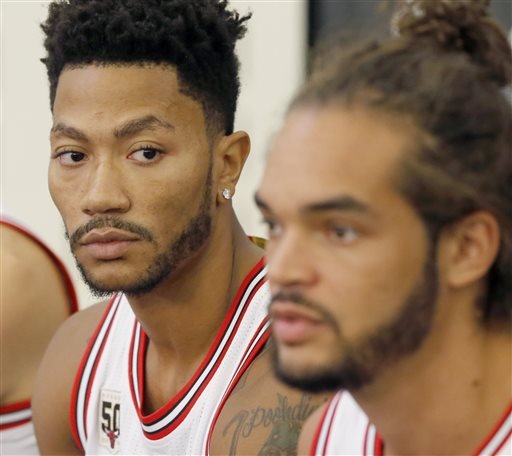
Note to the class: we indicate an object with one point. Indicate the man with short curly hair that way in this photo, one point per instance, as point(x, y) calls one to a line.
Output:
point(144, 163)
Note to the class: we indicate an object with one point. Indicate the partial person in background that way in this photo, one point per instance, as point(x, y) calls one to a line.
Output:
point(388, 195)
point(36, 295)
point(144, 163)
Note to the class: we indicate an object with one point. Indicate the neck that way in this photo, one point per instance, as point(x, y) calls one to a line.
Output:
point(447, 397)
point(182, 315)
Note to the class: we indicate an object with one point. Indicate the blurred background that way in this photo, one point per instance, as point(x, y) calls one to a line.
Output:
point(330, 16)
point(273, 59)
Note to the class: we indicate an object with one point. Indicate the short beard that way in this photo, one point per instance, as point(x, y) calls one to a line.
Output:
point(360, 366)
point(190, 241)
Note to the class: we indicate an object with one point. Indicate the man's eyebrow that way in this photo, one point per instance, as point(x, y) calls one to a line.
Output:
point(61, 129)
point(260, 203)
point(134, 126)
point(341, 203)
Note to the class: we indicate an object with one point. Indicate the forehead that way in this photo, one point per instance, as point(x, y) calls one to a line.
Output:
point(102, 92)
point(330, 151)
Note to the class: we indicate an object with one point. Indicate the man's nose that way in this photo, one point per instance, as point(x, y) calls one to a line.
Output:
point(104, 191)
point(289, 261)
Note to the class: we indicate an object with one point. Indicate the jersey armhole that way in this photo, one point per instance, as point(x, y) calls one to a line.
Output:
point(73, 412)
point(329, 409)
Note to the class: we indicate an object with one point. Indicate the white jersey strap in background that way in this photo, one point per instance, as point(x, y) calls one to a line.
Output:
point(16, 430)
point(345, 429)
point(499, 441)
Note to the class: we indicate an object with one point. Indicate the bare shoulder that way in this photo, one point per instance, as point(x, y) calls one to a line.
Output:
point(34, 304)
point(262, 415)
point(55, 379)
point(309, 430)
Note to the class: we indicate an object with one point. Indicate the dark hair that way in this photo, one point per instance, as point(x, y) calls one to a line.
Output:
point(446, 70)
point(196, 37)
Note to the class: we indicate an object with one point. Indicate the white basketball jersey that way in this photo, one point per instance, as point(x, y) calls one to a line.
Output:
point(346, 430)
point(106, 410)
point(16, 430)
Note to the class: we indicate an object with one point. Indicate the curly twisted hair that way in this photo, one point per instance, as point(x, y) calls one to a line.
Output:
point(448, 70)
point(196, 37)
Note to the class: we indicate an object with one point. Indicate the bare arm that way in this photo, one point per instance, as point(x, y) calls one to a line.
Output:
point(309, 430)
point(34, 303)
point(263, 416)
point(54, 382)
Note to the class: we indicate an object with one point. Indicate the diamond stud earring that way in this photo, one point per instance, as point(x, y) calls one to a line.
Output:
point(226, 193)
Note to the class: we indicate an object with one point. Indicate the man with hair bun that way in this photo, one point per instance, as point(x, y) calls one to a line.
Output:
point(144, 163)
point(388, 197)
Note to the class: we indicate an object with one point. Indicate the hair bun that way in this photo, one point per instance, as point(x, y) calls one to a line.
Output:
point(459, 26)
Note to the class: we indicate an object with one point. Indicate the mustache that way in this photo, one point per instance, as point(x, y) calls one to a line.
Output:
point(295, 297)
point(108, 222)
point(301, 300)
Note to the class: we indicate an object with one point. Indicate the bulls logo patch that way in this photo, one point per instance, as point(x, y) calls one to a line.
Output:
point(110, 420)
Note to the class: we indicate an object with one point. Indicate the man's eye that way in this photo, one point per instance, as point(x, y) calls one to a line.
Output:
point(146, 155)
point(71, 158)
point(273, 228)
point(342, 234)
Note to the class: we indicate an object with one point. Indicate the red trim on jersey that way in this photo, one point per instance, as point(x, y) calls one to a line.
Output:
point(374, 442)
point(137, 390)
point(333, 402)
point(141, 358)
point(378, 449)
point(70, 289)
point(329, 429)
point(316, 436)
point(365, 440)
point(495, 431)
point(80, 373)
point(502, 444)
point(130, 361)
point(13, 408)
point(379, 443)
point(248, 358)
point(166, 409)
point(4, 427)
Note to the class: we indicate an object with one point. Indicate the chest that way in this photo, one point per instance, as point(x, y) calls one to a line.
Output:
point(110, 414)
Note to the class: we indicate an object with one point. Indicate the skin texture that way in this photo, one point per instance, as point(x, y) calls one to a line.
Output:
point(356, 264)
point(37, 309)
point(105, 177)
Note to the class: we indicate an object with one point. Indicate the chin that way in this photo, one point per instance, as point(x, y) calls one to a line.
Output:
point(102, 285)
point(303, 372)
point(307, 378)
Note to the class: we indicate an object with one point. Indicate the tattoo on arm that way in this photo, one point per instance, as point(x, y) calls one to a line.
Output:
point(283, 423)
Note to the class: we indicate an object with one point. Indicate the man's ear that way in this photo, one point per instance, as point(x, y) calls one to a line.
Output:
point(469, 248)
point(230, 155)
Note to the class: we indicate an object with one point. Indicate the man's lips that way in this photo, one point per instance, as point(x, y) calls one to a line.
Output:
point(108, 244)
point(292, 323)
point(107, 235)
